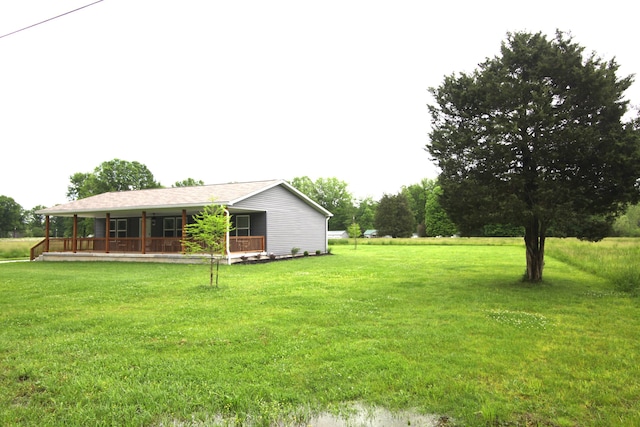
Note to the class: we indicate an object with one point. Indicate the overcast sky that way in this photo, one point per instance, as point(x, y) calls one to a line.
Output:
point(224, 91)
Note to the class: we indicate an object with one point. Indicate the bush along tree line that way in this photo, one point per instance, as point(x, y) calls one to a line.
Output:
point(121, 175)
point(429, 219)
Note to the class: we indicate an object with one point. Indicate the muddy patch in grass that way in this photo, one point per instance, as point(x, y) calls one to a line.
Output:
point(361, 416)
point(355, 415)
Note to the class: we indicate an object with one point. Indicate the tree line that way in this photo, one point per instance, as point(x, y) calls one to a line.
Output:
point(414, 211)
point(399, 215)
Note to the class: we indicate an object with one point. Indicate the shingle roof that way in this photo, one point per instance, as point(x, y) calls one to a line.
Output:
point(166, 198)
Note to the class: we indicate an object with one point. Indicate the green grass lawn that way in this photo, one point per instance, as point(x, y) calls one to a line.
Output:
point(438, 329)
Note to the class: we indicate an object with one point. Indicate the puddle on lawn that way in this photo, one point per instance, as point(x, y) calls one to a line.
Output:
point(352, 416)
point(376, 417)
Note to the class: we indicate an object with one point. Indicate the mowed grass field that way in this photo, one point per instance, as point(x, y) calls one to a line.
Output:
point(446, 328)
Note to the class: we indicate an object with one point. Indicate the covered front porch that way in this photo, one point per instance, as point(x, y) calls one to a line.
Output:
point(148, 237)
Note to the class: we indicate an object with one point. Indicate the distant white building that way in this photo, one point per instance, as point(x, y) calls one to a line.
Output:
point(337, 234)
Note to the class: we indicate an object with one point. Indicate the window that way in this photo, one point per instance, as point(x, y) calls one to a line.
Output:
point(242, 226)
point(118, 227)
point(172, 227)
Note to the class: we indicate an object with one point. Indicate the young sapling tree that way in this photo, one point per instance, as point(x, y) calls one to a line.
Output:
point(207, 235)
point(354, 232)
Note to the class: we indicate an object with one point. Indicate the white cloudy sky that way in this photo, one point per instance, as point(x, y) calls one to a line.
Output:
point(225, 91)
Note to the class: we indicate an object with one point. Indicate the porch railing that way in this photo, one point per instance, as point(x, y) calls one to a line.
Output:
point(246, 244)
point(37, 250)
point(134, 245)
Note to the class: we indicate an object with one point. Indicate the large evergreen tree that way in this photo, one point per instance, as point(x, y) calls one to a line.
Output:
point(394, 216)
point(533, 135)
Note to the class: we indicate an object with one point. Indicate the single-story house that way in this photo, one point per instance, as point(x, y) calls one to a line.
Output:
point(370, 233)
point(268, 218)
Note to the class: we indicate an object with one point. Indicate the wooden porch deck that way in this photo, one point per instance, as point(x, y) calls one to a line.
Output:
point(238, 246)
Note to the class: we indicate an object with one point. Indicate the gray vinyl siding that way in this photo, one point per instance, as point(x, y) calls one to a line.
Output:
point(290, 222)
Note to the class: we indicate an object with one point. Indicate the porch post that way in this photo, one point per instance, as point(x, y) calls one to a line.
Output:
point(184, 227)
point(74, 243)
point(107, 233)
point(46, 233)
point(144, 232)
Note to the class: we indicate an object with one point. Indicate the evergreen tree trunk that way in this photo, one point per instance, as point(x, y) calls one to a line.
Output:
point(534, 239)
